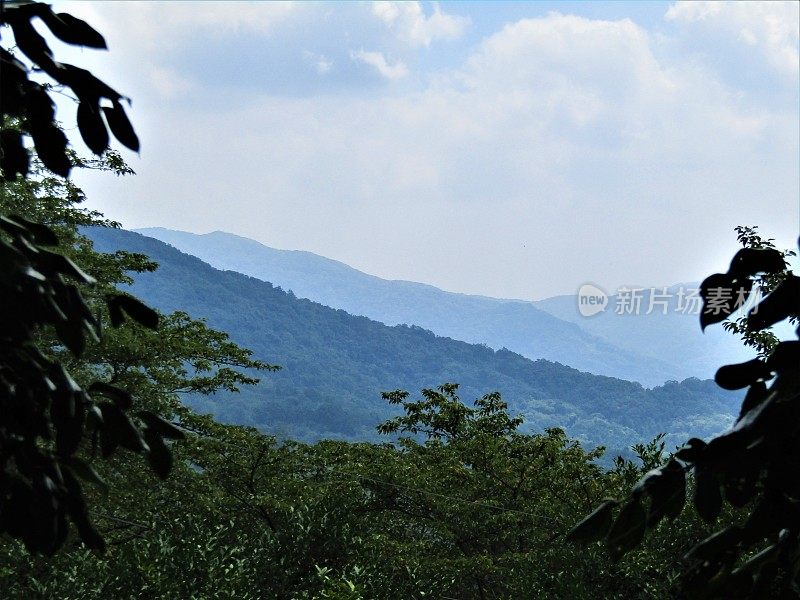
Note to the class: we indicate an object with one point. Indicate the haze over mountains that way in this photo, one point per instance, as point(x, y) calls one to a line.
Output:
point(335, 365)
point(650, 349)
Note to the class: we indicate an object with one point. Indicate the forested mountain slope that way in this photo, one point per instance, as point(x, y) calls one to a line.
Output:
point(514, 324)
point(335, 365)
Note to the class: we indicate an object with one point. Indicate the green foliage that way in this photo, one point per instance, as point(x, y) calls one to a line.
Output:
point(763, 340)
point(64, 396)
point(751, 467)
point(47, 415)
point(475, 513)
point(336, 588)
point(55, 376)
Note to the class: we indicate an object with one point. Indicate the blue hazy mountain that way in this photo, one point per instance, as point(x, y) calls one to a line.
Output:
point(670, 332)
point(516, 325)
point(335, 365)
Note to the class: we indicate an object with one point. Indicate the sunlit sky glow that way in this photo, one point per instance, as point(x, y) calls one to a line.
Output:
point(512, 150)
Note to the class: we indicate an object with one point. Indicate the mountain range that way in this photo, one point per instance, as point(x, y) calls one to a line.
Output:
point(648, 348)
point(335, 365)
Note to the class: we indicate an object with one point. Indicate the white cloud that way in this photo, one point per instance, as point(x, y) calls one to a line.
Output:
point(322, 63)
point(562, 149)
point(223, 17)
point(377, 60)
point(412, 26)
point(161, 27)
point(258, 16)
point(169, 84)
point(771, 27)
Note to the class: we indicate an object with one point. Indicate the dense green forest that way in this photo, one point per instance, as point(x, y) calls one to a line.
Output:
point(477, 510)
point(335, 365)
point(469, 502)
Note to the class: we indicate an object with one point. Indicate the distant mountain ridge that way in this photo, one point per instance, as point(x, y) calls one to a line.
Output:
point(670, 332)
point(335, 365)
point(514, 324)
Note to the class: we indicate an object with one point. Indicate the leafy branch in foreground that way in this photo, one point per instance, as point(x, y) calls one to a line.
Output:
point(46, 414)
point(752, 466)
point(47, 417)
point(29, 103)
point(763, 340)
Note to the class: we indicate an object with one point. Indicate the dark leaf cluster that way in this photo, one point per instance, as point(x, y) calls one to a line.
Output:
point(32, 109)
point(752, 466)
point(47, 420)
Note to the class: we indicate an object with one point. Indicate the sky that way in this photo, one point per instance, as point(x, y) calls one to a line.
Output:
point(513, 150)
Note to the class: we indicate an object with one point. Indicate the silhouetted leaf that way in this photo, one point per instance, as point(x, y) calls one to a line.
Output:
point(15, 75)
point(92, 128)
point(768, 572)
point(691, 451)
point(30, 42)
point(717, 543)
point(782, 303)
point(768, 554)
point(163, 427)
point(159, 456)
point(122, 304)
point(109, 442)
point(85, 471)
point(770, 514)
point(738, 376)
point(94, 417)
point(722, 295)
point(41, 530)
point(51, 148)
point(739, 490)
point(14, 228)
point(67, 411)
point(667, 493)
point(117, 424)
point(628, 529)
point(707, 495)
point(69, 428)
point(120, 126)
point(76, 507)
point(785, 356)
point(14, 159)
point(41, 234)
point(59, 263)
point(596, 525)
point(700, 581)
point(120, 397)
point(755, 396)
point(40, 110)
point(751, 261)
point(72, 30)
point(70, 333)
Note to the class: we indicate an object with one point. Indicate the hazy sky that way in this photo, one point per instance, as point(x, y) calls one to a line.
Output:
point(514, 150)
